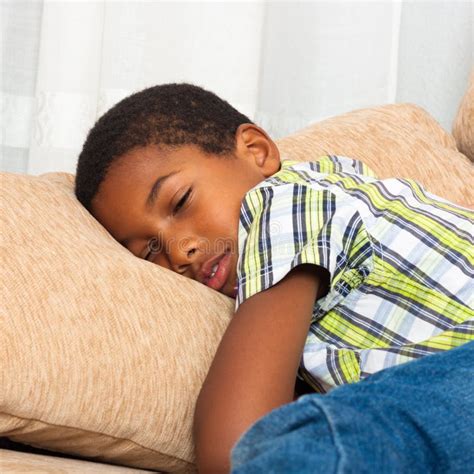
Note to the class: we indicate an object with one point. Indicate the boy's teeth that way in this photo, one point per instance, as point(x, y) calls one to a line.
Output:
point(214, 269)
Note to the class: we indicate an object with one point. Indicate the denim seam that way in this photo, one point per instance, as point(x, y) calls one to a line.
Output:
point(335, 438)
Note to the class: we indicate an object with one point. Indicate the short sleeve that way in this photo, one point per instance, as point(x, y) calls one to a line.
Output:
point(287, 225)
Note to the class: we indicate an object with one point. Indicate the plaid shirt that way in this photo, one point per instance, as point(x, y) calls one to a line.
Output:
point(400, 262)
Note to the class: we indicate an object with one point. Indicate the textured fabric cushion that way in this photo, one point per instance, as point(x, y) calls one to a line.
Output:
point(463, 127)
point(102, 354)
point(399, 140)
point(21, 463)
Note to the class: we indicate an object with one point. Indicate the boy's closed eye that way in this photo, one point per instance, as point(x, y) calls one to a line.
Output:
point(154, 244)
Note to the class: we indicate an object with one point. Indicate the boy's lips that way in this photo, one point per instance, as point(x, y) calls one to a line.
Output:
point(218, 280)
point(206, 268)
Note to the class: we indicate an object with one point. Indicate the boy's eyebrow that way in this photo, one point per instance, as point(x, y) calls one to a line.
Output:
point(155, 189)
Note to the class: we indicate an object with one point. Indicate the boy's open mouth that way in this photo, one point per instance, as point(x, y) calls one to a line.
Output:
point(214, 272)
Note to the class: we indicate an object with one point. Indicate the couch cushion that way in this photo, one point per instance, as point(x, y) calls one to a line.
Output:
point(463, 126)
point(399, 140)
point(103, 354)
point(16, 462)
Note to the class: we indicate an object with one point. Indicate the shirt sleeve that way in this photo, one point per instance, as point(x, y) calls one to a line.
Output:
point(287, 225)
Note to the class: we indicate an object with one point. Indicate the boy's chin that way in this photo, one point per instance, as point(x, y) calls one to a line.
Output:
point(230, 293)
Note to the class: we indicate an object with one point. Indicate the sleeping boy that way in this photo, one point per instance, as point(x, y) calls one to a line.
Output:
point(336, 274)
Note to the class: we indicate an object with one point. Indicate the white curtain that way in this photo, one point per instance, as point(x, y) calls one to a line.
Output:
point(284, 64)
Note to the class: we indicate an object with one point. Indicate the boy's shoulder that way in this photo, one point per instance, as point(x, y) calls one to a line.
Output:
point(312, 172)
point(324, 181)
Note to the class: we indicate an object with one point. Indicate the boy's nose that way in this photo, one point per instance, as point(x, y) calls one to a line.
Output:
point(181, 268)
point(182, 257)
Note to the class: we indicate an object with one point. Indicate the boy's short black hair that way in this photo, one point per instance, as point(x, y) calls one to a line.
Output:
point(169, 115)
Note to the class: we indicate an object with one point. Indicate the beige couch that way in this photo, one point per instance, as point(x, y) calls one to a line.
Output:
point(26, 462)
point(102, 354)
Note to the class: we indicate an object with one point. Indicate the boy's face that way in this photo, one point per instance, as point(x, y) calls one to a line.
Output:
point(193, 221)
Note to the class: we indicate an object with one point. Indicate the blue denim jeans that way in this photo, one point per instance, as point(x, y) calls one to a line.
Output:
point(414, 418)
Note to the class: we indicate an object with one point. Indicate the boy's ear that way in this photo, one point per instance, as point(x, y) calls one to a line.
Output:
point(252, 142)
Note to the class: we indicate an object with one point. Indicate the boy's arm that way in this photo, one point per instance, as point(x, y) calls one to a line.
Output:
point(255, 366)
